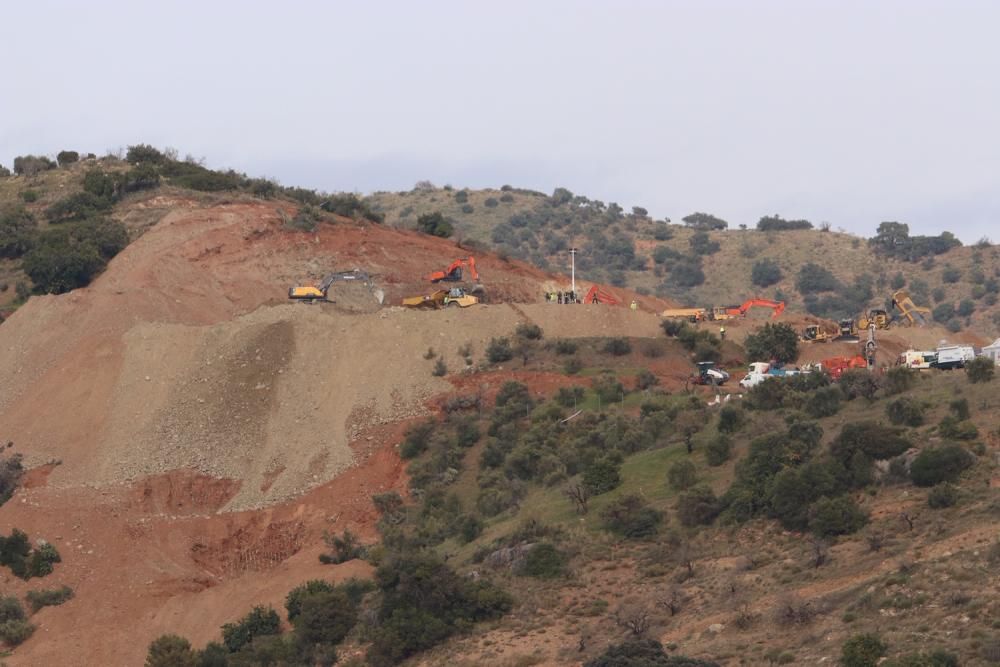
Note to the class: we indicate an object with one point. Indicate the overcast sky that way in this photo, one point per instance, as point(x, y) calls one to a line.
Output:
point(846, 112)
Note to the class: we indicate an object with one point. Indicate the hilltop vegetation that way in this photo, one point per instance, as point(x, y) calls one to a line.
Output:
point(703, 260)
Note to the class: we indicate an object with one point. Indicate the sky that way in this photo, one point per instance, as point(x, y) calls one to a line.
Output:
point(845, 112)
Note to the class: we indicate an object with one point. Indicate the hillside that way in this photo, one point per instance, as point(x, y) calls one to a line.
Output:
point(619, 246)
point(195, 445)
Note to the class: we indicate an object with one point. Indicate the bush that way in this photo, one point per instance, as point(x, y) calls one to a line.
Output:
point(29, 165)
point(569, 396)
point(862, 651)
point(66, 258)
point(765, 273)
point(942, 496)
point(67, 157)
point(704, 221)
point(731, 419)
point(938, 658)
point(645, 380)
point(836, 516)
point(643, 653)
point(701, 244)
point(79, 206)
point(11, 471)
point(775, 223)
point(293, 601)
point(951, 275)
point(29, 196)
point(980, 369)
point(18, 232)
point(943, 463)
point(440, 369)
point(682, 475)
point(143, 177)
point(773, 341)
point(954, 429)
point(718, 450)
point(171, 651)
point(325, 617)
point(602, 476)
point(687, 272)
point(528, 331)
point(499, 350)
point(899, 379)
point(343, 547)
point(491, 202)
point(814, 278)
point(544, 561)
point(261, 621)
point(630, 517)
point(823, 402)
point(905, 412)
point(565, 346)
point(144, 153)
point(859, 382)
point(617, 346)
point(697, 507)
point(943, 312)
point(435, 224)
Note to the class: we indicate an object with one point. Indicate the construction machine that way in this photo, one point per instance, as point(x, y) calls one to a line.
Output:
point(871, 345)
point(876, 316)
point(454, 273)
point(452, 298)
point(597, 295)
point(848, 329)
point(814, 333)
point(313, 293)
point(915, 315)
point(722, 312)
point(777, 306)
point(690, 314)
point(709, 374)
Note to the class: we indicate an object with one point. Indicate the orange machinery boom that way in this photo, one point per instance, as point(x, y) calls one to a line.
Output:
point(454, 271)
point(777, 306)
point(598, 295)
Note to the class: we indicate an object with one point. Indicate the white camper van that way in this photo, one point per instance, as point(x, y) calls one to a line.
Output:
point(954, 356)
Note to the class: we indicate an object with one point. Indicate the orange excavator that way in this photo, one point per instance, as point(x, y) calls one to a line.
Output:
point(453, 273)
point(777, 306)
point(597, 295)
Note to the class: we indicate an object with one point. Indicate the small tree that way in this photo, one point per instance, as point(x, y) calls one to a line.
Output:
point(980, 369)
point(836, 516)
point(601, 476)
point(944, 463)
point(67, 157)
point(435, 224)
point(171, 651)
point(617, 346)
point(631, 517)
point(718, 450)
point(697, 507)
point(682, 475)
point(499, 350)
point(343, 547)
point(773, 341)
point(259, 622)
point(862, 651)
point(765, 273)
point(440, 369)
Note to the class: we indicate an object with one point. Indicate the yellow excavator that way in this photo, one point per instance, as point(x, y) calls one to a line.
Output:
point(314, 293)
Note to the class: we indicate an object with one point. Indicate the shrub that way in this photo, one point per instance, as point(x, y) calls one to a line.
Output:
point(67, 157)
point(11, 470)
point(905, 412)
point(942, 496)
point(491, 202)
point(687, 272)
point(565, 346)
point(951, 275)
point(171, 651)
point(718, 450)
point(435, 224)
point(938, 658)
point(293, 601)
point(899, 379)
point(858, 382)
point(980, 369)
point(144, 153)
point(467, 208)
point(814, 278)
point(544, 561)
point(682, 475)
point(499, 350)
point(440, 369)
point(343, 547)
point(569, 396)
point(775, 223)
point(765, 273)
point(773, 341)
point(259, 622)
point(77, 206)
point(943, 463)
point(943, 312)
point(29, 196)
point(823, 402)
point(731, 419)
point(873, 440)
point(29, 165)
point(325, 617)
point(697, 506)
point(602, 476)
point(630, 517)
point(898, 281)
point(507, 198)
point(617, 347)
point(143, 177)
point(528, 331)
point(836, 516)
point(643, 653)
point(18, 232)
point(862, 651)
point(953, 428)
point(701, 244)
point(4, 171)
point(662, 233)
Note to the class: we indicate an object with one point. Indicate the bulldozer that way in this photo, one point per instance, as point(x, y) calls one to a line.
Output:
point(455, 297)
point(876, 316)
point(314, 293)
point(814, 333)
point(848, 329)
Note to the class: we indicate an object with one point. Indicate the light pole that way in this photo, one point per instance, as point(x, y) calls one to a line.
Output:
point(572, 254)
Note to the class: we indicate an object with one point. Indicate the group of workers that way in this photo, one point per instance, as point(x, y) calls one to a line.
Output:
point(561, 297)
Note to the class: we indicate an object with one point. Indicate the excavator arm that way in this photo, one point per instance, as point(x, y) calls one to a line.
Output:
point(777, 306)
point(597, 295)
point(453, 273)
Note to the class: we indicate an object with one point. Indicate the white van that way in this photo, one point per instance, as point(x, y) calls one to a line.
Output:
point(954, 356)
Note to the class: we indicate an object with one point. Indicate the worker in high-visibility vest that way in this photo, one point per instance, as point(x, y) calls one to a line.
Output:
point(722, 332)
point(634, 306)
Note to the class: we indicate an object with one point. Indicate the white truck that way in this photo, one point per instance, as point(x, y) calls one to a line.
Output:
point(918, 359)
point(954, 356)
point(759, 371)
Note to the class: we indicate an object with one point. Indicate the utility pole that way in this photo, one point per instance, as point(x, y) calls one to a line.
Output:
point(572, 254)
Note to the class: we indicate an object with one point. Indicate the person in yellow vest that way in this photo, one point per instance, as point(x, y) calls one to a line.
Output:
point(722, 332)
point(634, 306)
